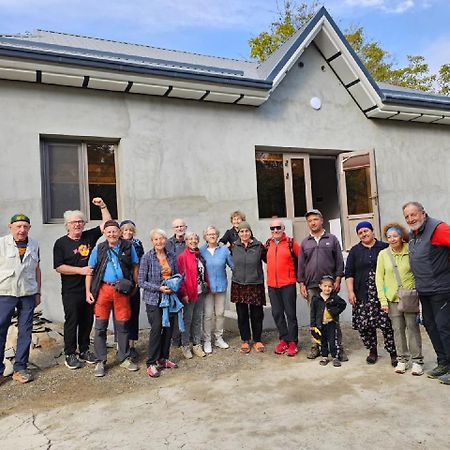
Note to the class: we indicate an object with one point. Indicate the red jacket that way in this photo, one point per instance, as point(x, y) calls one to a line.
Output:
point(187, 266)
point(281, 270)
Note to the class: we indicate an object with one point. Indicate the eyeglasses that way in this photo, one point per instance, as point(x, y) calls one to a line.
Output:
point(276, 227)
point(76, 222)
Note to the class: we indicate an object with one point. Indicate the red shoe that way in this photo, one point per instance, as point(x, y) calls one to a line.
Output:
point(281, 348)
point(153, 372)
point(167, 364)
point(292, 349)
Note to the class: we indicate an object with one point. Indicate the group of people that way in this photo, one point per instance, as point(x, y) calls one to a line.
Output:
point(183, 285)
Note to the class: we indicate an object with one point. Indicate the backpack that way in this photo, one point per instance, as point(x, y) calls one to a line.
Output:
point(291, 250)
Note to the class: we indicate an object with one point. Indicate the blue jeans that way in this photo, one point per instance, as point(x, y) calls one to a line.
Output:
point(25, 308)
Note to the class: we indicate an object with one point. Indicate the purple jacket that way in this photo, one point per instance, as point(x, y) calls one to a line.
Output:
point(318, 259)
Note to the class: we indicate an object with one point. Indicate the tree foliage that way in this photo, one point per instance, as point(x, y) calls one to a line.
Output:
point(380, 63)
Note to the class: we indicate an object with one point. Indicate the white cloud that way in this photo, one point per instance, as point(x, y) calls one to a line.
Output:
point(390, 6)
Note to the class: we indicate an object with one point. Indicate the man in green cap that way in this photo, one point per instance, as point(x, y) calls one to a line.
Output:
point(20, 289)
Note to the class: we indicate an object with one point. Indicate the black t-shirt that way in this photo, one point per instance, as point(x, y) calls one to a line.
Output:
point(74, 253)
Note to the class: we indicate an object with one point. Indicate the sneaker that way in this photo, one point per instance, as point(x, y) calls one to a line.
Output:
point(400, 367)
point(281, 347)
point(153, 372)
point(336, 362)
point(324, 361)
point(372, 357)
point(313, 353)
point(187, 352)
point(99, 369)
point(198, 351)
point(207, 347)
point(219, 342)
point(438, 371)
point(292, 349)
point(72, 362)
point(22, 376)
point(166, 364)
point(343, 356)
point(417, 369)
point(88, 357)
point(129, 365)
point(445, 379)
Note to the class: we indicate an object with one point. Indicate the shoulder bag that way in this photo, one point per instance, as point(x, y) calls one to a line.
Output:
point(408, 298)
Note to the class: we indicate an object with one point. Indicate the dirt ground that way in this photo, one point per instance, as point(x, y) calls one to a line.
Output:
point(230, 401)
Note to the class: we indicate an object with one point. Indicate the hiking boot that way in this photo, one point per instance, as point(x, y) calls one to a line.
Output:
point(343, 356)
point(400, 367)
point(292, 349)
point(417, 369)
point(198, 351)
point(99, 370)
point(166, 364)
point(438, 371)
point(87, 357)
point(129, 365)
point(313, 353)
point(445, 379)
point(72, 362)
point(336, 362)
point(281, 347)
point(187, 352)
point(207, 347)
point(152, 371)
point(324, 361)
point(221, 343)
point(372, 357)
point(22, 376)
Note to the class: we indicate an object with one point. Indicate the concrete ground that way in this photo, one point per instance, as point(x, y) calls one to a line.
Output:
point(231, 401)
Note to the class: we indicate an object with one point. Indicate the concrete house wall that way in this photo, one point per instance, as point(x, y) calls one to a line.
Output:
point(180, 158)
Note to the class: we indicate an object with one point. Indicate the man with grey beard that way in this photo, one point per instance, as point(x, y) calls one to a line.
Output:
point(429, 253)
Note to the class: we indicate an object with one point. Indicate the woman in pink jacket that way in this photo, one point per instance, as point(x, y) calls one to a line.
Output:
point(192, 293)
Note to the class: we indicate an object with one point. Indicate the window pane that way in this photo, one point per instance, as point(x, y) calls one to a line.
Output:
point(64, 181)
point(298, 186)
point(102, 178)
point(270, 185)
point(358, 191)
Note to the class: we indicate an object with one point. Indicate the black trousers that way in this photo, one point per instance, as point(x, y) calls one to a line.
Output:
point(329, 341)
point(78, 320)
point(160, 337)
point(133, 323)
point(284, 311)
point(250, 314)
point(436, 318)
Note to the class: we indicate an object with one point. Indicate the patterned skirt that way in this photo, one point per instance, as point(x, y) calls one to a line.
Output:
point(367, 312)
point(251, 294)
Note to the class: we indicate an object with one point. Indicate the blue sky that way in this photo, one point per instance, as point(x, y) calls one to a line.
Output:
point(223, 27)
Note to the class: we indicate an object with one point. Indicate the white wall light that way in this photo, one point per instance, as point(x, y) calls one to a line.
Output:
point(315, 103)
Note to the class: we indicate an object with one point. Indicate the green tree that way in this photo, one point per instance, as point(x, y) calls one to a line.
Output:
point(380, 63)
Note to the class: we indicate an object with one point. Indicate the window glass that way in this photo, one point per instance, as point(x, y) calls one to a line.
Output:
point(270, 185)
point(102, 177)
point(358, 191)
point(298, 186)
point(64, 178)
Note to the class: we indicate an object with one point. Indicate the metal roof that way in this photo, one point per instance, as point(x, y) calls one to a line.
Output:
point(166, 72)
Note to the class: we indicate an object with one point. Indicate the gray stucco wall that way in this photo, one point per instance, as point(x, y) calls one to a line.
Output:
point(197, 160)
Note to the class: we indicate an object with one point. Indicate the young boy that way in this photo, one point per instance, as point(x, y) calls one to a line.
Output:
point(325, 310)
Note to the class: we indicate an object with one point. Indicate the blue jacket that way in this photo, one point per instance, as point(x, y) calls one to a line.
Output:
point(216, 267)
point(170, 303)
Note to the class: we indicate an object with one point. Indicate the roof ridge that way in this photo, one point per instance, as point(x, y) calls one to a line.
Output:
point(143, 45)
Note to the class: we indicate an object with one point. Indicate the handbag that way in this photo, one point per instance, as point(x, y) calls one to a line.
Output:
point(408, 298)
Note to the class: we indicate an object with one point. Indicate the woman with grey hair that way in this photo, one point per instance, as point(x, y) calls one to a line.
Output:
point(217, 258)
point(156, 266)
point(192, 266)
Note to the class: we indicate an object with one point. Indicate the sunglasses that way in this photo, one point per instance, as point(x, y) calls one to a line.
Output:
point(276, 227)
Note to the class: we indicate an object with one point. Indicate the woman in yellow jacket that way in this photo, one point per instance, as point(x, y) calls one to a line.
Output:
point(408, 341)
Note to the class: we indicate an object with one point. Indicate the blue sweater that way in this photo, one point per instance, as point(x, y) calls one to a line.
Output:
point(216, 267)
